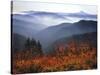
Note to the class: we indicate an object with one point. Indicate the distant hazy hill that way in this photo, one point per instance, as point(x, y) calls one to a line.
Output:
point(50, 34)
point(28, 23)
point(25, 25)
point(18, 41)
point(89, 38)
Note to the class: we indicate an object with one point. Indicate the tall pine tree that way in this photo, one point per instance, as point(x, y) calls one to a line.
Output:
point(33, 43)
point(33, 47)
point(39, 46)
point(27, 44)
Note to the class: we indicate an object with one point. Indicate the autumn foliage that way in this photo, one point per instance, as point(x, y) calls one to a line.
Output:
point(68, 56)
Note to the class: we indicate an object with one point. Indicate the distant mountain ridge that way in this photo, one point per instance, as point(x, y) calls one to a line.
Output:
point(28, 23)
point(86, 41)
point(50, 26)
point(50, 34)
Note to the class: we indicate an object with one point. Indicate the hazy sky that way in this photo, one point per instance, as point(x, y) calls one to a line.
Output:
point(19, 6)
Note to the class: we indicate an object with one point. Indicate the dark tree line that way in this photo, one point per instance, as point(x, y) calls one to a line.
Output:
point(33, 46)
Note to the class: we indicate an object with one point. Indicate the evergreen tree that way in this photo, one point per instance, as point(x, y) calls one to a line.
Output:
point(39, 46)
point(33, 43)
point(33, 47)
point(27, 44)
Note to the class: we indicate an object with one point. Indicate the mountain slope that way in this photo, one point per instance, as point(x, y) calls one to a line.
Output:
point(28, 23)
point(18, 42)
point(78, 42)
point(50, 34)
point(25, 25)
